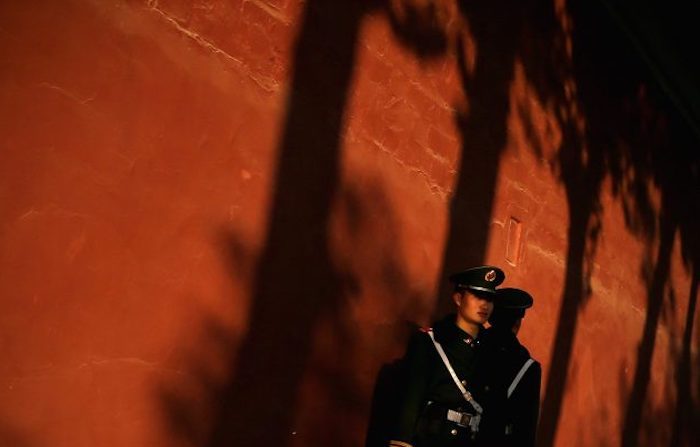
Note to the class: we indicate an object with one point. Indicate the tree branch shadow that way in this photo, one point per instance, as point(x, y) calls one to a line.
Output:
point(685, 412)
point(614, 123)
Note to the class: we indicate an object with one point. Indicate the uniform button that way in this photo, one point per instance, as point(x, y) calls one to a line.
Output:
point(453, 432)
point(486, 388)
point(464, 383)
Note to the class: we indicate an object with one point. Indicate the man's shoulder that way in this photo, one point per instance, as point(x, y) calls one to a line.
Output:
point(420, 337)
point(523, 351)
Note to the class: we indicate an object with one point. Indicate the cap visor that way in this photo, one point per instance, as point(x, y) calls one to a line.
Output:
point(482, 292)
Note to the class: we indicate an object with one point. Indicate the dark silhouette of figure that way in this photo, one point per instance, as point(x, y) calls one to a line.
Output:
point(508, 378)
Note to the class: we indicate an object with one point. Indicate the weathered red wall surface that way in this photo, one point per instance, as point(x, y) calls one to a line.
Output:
point(218, 217)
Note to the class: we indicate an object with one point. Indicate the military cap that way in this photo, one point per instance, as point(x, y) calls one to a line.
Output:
point(512, 298)
point(481, 280)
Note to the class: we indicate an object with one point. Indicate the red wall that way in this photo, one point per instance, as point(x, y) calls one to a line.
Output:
point(219, 218)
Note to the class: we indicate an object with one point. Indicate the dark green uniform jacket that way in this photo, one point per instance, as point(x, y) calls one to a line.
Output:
point(429, 390)
point(508, 421)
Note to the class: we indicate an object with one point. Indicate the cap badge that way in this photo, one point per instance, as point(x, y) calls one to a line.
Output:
point(490, 276)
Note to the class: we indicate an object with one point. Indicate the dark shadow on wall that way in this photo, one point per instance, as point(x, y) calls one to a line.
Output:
point(655, 300)
point(582, 163)
point(295, 282)
point(685, 412)
point(339, 370)
point(676, 172)
point(483, 129)
point(613, 120)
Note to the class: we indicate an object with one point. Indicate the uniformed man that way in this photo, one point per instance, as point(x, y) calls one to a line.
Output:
point(508, 379)
point(437, 407)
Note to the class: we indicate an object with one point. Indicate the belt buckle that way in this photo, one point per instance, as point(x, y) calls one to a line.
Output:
point(466, 419)
point(459, 418)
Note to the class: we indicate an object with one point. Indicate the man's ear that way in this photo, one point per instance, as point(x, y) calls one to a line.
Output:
point(457, 298)
point(516, 326)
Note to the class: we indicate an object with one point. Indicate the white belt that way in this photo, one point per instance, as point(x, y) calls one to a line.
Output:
point(474, 420)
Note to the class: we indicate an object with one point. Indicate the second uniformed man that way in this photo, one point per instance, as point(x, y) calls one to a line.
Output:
point(508, 379)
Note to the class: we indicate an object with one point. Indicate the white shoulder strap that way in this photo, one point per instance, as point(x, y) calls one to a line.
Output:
point(519, 376)
point(465, 393)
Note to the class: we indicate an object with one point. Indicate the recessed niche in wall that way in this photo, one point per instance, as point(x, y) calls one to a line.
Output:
point(515, 231)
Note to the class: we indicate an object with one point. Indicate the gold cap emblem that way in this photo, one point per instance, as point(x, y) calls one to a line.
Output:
point(490, 276)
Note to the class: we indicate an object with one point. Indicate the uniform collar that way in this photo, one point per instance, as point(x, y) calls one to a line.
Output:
point(446, 330)
point(502, 337)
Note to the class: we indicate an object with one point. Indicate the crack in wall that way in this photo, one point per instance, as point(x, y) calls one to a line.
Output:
point(434, 187)
point(554, 257)
point(68, 94)
point(270, 9)
point(266, 83)
point(57, 370)
point(153, 5)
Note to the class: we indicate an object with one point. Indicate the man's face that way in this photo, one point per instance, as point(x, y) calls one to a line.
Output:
point(473, 309)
